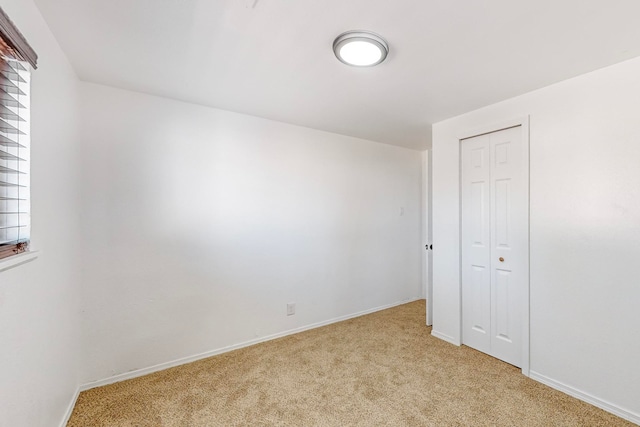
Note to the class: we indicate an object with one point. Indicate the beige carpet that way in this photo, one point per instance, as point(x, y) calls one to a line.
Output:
point(383, 369)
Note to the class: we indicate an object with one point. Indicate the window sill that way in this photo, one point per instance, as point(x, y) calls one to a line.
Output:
point(17, 260)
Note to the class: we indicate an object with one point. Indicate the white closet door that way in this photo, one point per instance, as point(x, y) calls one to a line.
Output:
point(476, 244)
point(509, 231)
point(494, 243)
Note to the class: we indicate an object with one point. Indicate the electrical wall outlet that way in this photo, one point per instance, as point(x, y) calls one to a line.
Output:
point(291, 309)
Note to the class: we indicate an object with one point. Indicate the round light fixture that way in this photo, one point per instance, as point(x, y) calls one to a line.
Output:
point(360, 48)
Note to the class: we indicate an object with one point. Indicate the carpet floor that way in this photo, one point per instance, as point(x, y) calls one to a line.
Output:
point(382, 369)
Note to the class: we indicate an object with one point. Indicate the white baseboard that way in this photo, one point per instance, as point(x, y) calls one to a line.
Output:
point(72, 404)
point(145, 371)
point(445, 337)
point(586, 397)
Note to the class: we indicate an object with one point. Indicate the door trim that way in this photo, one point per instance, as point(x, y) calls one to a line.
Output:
point(523, 122)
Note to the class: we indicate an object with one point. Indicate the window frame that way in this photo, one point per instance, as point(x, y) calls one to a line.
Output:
point(14, 46)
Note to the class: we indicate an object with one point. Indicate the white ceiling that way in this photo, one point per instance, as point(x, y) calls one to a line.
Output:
point(273, 58)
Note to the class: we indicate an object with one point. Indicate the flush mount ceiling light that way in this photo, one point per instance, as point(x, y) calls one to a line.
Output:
point(360, 48)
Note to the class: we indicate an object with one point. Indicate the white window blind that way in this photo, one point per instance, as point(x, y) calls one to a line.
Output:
point(16, 61)
point(14, 144)
point(14, 156)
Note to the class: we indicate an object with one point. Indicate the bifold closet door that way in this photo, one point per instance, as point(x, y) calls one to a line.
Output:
point(494, 243)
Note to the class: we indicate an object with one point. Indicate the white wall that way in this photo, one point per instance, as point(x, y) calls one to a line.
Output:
point(200, 225)
point(585, 231)
point(39, 334)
